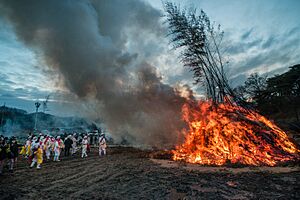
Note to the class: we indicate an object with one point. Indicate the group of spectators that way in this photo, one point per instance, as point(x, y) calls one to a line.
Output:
point(37, 148)
point(9, 150)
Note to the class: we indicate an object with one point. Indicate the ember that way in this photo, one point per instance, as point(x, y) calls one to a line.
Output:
point(223, 133)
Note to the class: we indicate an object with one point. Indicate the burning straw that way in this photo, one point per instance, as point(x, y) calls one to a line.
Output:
point(231, 134)
point(223, 128)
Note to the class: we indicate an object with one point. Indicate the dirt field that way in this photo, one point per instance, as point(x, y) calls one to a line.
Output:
point(127, 173)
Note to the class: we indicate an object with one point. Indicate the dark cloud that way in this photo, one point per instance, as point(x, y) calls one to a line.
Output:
point(7, 95)
point(263, 53)
point(247, 34)
point(242, 46)
point(263, 60)
point(294, 31)
point(267, 44)
point(3, 63)
point(4, 80)
point(98, 48)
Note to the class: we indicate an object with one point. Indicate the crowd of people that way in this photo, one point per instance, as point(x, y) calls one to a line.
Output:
point(37, 148)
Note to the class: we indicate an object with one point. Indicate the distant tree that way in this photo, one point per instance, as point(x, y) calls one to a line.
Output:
point(255, 85)
point(284, 90)
point(279, 94)
point(287, 84)
point(254, 88)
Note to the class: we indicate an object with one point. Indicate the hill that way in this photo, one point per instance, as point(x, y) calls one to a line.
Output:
point(18, 122)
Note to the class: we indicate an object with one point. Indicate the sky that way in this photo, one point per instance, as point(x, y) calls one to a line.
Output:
point(260, 36)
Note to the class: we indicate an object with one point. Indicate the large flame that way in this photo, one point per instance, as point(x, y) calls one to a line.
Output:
point(228, 133)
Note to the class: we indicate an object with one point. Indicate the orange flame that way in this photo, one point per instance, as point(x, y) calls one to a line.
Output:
point(228, 133)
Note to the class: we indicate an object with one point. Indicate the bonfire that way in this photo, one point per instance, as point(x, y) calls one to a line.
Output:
point(224, 128)
point(231, 134)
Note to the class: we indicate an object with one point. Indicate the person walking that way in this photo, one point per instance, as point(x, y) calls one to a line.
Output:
point(47, 147)
point(102, 145)
point(3, 153)
point(57, 148)
point(28, 146)
point(14, 153)
point(68, 144)
point(37, 157)
point(84, 146)
point(74, 144)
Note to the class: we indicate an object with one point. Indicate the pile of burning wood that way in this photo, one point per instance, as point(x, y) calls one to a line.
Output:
point(230, 133)
point(223, 129)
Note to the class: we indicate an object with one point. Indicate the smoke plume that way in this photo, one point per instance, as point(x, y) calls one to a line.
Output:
point(100, 49)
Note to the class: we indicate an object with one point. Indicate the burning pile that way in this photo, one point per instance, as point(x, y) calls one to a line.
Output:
point(227, 133)
point(224, 129)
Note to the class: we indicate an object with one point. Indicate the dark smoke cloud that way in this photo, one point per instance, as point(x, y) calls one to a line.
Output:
point(89, 43)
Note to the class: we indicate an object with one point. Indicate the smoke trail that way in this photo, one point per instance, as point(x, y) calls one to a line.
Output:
point(100, 49)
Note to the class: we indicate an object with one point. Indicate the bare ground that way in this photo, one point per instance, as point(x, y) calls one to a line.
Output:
point(127, 173)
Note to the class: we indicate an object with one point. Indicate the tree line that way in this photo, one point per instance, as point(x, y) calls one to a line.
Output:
point(277, 96)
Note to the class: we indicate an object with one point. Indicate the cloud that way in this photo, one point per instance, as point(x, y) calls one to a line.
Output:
point(242, 46)
point(270, 41)
point(4, 81)
point(262, 54)
point(247, 34)
point(7, 95)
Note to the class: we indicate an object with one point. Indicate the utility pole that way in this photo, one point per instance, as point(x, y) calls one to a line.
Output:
point(37, 105)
